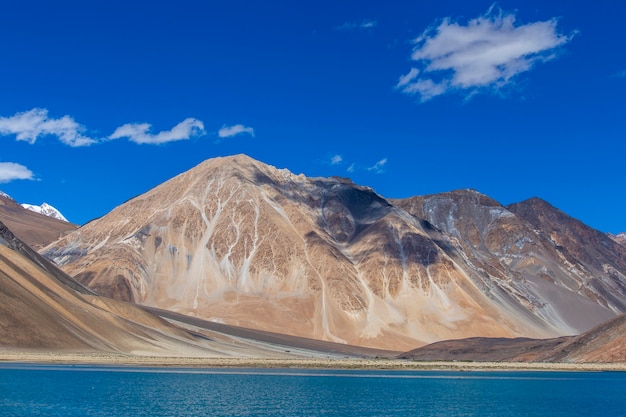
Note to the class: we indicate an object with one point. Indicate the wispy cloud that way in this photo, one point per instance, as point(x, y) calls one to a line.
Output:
point(351, 167)
point(484, 55)
point(621, 74)
point(336, 159)
point(34, 124)
point(362, 25)
point(378, 167)
point(10, 171)
point(229, 131)
point(140, 132)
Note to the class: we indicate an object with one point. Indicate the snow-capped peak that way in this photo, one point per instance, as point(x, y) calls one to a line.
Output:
point(5, 195)
point(45, 209)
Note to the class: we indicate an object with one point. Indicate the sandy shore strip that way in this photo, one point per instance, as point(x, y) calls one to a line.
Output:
point(113, 359)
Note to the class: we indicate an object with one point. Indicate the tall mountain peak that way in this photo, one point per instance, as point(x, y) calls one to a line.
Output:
point(238, 241)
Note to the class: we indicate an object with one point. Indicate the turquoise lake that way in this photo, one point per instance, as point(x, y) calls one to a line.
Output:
point(51, 390)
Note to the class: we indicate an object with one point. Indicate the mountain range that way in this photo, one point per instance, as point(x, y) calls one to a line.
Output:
point(238, 242)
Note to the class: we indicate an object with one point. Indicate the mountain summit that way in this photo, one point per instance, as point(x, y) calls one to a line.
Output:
point(237, 241)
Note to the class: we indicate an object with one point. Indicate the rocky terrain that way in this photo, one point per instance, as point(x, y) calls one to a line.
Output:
point(239, 242)
point(562, 271)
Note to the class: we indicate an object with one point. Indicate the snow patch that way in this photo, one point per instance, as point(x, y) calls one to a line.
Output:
point(499, 212)
point(5, 195)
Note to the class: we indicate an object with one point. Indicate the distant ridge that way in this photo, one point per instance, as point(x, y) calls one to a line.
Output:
point(35, 229)
point(605, 343)
point(47, 210)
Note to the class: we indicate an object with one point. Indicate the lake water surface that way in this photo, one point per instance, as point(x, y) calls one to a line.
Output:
point(49, 390)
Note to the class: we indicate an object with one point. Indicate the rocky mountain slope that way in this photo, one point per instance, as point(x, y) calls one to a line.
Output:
point(562, 271)
point(35, 229)
point(236, 241)
point(43, 309)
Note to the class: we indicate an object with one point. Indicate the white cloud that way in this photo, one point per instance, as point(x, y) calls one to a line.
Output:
point(140, 132)
point(336, 159)
point(365, 24)
point(33, 124)
point(229, 131)
point(378, 167)
point(621, 74)
point(351, 168)
point(485, 54)
point(10, 171)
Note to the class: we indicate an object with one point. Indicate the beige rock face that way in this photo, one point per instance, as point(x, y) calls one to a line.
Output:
point(236, 241)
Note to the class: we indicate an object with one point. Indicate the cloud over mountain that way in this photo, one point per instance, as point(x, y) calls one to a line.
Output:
point(485, 54)
point(36, 123)
point(378, 167)
point(336, 159)
point(229, 131)
point(140, 132)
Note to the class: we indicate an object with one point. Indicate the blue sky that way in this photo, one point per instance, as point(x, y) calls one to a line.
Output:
point(103, 100)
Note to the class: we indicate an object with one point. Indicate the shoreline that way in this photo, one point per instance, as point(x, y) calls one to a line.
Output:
point(121, 360)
